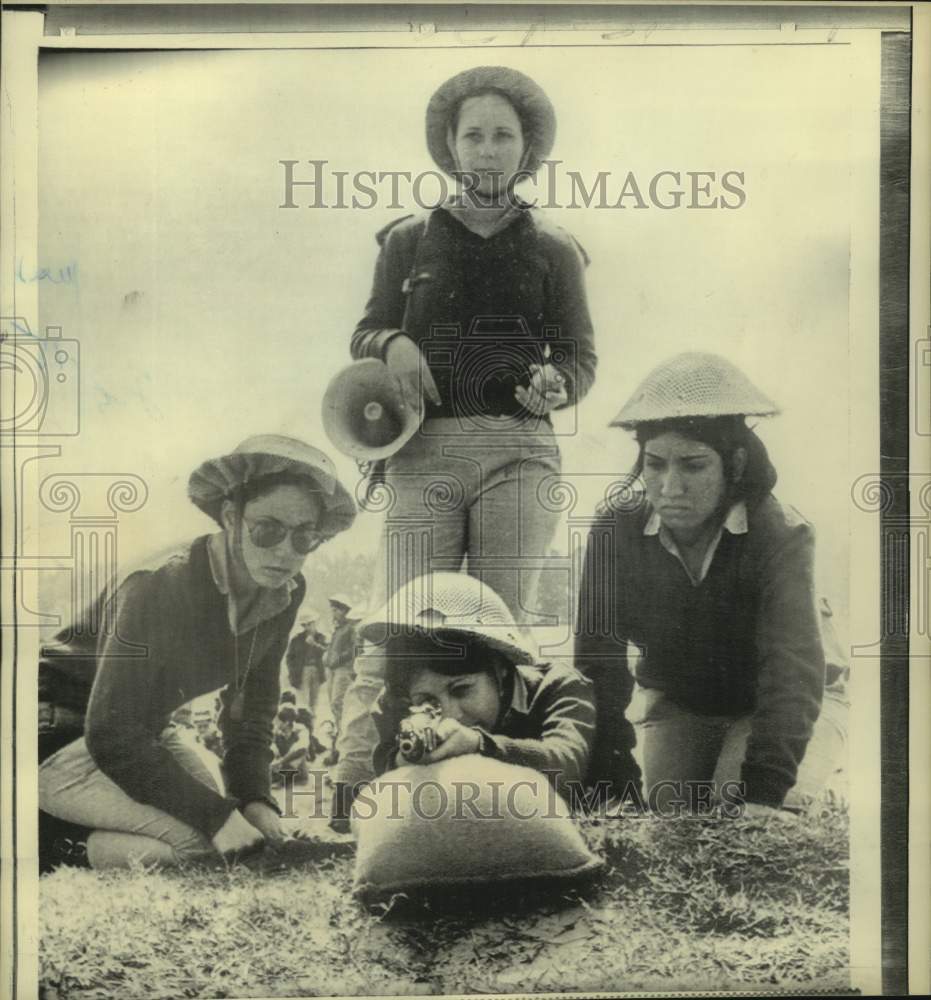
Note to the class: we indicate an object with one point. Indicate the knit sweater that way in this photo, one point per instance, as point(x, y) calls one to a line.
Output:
point(482, 310)
point(746, 640)
point(172, 642)
point(305, 652)
point(341, 652)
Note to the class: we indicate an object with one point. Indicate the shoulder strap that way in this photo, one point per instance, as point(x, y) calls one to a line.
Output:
point(414, 274)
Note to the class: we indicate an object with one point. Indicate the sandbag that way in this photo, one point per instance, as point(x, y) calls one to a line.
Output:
point(462, 822)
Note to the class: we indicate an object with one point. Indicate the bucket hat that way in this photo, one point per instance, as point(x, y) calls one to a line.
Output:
point(538, 119)
point(265, 455)
point(451, 605)
point(693, 384)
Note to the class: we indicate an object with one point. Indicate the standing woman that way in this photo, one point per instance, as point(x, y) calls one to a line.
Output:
point(215, 615)
point(479, 307)
point(712, 578)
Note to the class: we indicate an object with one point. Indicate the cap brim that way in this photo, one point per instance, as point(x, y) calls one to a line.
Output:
point(516, 648)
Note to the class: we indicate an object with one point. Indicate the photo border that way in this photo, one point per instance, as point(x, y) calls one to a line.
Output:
point(897, 345)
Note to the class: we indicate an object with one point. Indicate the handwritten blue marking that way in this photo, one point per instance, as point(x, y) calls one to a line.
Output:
point(67, 275)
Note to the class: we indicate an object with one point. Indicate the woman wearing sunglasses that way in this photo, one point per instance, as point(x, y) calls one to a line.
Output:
point(215, 615)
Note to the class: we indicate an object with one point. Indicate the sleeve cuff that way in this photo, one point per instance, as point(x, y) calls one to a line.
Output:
point(486, 744)
point(381, 340)
point(218, 817)
point(266, 799)
point(569, 384)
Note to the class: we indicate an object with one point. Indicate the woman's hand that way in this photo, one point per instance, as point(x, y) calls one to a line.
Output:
point(236, 834)
point(454, 739)
point(547, 390)
point(268, 823)
point(408, 365)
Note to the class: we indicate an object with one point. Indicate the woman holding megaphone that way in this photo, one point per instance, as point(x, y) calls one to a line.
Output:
point(479, 311)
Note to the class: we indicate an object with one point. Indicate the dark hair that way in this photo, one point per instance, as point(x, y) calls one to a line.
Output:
point(448, 652)
point(305, 717)
point(287, 714)
point(484, 92)
point(263, 485)
point(725, 435)
point(287, 698)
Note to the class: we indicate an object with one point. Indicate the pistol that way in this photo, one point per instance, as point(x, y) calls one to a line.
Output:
point(417, 732)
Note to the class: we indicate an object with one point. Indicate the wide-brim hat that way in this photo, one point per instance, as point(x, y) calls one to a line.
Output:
point(693, 384)
point(218, 479)
point(451, 606)
point(538, 119)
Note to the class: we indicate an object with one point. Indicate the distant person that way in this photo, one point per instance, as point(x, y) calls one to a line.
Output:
point(291, 743)
point(304, 659)
point(339, 658)
point(215, 615)
point(208, 736)
point(315, 748)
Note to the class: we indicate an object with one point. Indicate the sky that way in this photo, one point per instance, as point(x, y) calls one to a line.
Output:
point(206, 312)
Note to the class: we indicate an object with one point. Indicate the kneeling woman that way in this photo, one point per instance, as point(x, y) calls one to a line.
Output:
point(451, 643)
point(712, 578)
point(215, 615)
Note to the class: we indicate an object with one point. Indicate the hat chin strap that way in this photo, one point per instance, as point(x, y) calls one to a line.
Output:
point(239, 572)
point(525, 159)
point(477, 195)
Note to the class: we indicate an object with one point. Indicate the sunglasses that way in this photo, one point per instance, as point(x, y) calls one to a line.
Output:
point(266, 533)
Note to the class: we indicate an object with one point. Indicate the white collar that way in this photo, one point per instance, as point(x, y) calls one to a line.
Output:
point(735, 524)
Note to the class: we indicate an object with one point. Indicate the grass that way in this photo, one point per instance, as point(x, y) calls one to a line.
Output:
point(686, 904)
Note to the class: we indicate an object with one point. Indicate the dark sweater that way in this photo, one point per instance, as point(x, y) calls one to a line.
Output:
point(342, 649)
point(745, 640)
point(173, 642)
point(305, 651)
point(435, 277)
point(548, 725)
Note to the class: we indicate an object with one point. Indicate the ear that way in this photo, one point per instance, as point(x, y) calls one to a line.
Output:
point(740, 464)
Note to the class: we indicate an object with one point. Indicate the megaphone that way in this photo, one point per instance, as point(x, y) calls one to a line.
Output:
point(363, 412)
